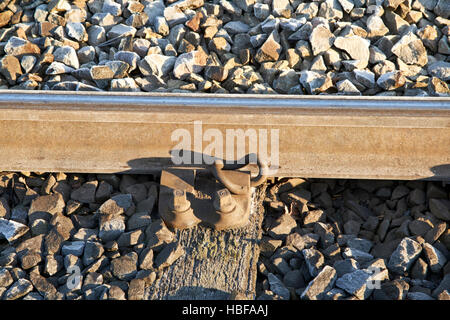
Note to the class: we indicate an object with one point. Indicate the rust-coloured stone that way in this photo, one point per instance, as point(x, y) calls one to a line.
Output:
point(194, 23)
point(17, 47)
point(45, 27)
point(5, 17)
point(10, 68)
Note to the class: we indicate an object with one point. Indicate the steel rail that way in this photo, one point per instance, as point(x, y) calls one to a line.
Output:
point(318, 136)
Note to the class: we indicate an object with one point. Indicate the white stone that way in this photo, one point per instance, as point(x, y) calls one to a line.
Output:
point(109, 6)
point(292, 24)
point(391, 80)
point(355, 283)
point(67, 55)
point(76, 248)
point(161, 26)
point(356, 47)
point(277, 287)
point(84, 234)
point(12, 230)
point(125, 84)
point(234, 27)
point(187, 63)
point(314, 260)
point(40, 13)
point(376, 26)
point(367, 79)
point(96, 35)
point(439, 69)
point(154, 9)
point(356, 254)
point(347, 5)
point(321, 39)
point(19, 289)
point(27, 62)
point(75, 30)
point(105, 19)
point(157, 64)
point(411, 50)
point(261, 10)
point(121, 30)
point(17, 46)
point(281, 8)
point(132, 58)
point(111, 228)
point(174, 16)
point(435, 258)
point(331, 9)
point(314, 82)
point(60, 6)
point(320, 285)
point(404, 256)
point(86, 54)
point(346, 87)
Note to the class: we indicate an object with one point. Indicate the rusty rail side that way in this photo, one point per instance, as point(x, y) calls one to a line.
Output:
point(326, 136)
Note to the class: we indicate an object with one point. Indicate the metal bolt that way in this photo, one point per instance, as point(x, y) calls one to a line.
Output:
point(224, 202)
point(179, 201)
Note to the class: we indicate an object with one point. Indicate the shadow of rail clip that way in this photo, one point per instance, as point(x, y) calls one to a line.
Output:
point(190, 160)
point(442, 171)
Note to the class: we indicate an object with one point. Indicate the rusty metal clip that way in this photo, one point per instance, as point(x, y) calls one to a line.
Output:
point(217, 197)
point(218, 171)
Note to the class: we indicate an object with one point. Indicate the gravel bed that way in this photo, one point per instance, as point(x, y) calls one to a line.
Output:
point(355, 240)
point(81, 236)
point(87, 236)
point(344, 47)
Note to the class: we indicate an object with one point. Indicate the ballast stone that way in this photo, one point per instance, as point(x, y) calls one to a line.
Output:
point(187, 63)
point(356, 47)
point(321, 39)
point(12, 230)
point(320, 285)
point(157, 64)
point(411, 50)
point(277, 287)
point(404, 256)
point(19, 289)
point(356, 284)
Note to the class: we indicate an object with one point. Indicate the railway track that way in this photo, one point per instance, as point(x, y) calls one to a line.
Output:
point(110, 137)
point(318, 137)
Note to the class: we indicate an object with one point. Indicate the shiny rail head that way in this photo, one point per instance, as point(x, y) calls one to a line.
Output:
point(22, 98)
